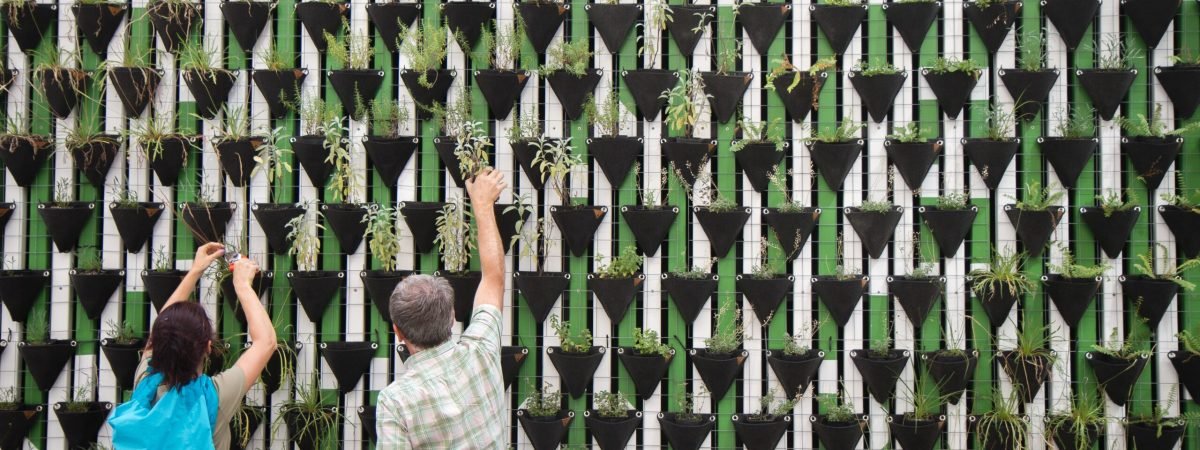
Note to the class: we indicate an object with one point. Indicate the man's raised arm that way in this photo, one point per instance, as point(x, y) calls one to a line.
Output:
point(484, 191)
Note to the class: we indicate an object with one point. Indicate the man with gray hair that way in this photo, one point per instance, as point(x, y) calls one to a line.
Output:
point(451, 396)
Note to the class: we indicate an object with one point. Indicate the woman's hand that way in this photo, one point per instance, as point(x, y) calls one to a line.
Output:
point(206, 254)
point(243, 272)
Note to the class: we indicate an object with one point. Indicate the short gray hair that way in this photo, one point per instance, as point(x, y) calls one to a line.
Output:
point(422, 307)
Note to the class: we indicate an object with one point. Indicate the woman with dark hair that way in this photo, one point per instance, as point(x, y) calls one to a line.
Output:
point(174, 405)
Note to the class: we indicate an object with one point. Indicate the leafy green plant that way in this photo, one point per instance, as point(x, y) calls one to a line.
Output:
point(952, 65)
point(1126, 349)
point(241, 421)
point(1153, 127)
point(1032, 56)
point(658, 14)
point(611, 405)
point(271, 159)
point(625, 265)
point(727, 339)
point(456, 237)
point(727, 56)
point(908, 134)
point(386, 117)
point(769, 411)
point(759, 132)
point(234, 126)
point(927, 400)
point(544, 402)
point(837, 409)
point(569, 342)
point(525, 127)
point(305, 238)
point(1182, 199)
point(163, 262)
point(785, 66)
point(685, 402)
point(121, 333)
point(275, 59)
point(685, 102)
point(122, 195)
point(881, 345)
point(150, 135)
point(569, 56)
point(1169, 272)
point(875, 67)
point(88, 259)
point(646, 343)
point(503, 48)
point(381, 235)
point(1189, 341)
point(1004, 274)
point(471, 149)
point(797, 344)
point(1079, 124)
point(554, 160)
point(778, 178)
point(1186, 57)
point(194, 55)
point(604, 116)
point(425, 48)
point(952, 201)
point(876, 206)
point(344, 179)
point(80, 398)
point(846, 131)
point(1038, 198)
point(1070, 269)
point(1000, 123)
point(699, 271)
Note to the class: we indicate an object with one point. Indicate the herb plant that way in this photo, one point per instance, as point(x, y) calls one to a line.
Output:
point(456, 237)
point(1004, 274)
point(569, 342)
point(625, 265)
point(725, 340)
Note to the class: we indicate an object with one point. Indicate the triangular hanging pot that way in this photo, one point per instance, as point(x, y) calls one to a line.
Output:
point(173, 21)
point(135, 86)
point(615, 294)
point(1187, 365)
point(689, 295)
point(613, 22)
point(1066, 437)
point(320, 18)
point(840, 296)
point(838, 23)
point(615, 155)
point(468, 18)
point(647, 371)
point(160, 284)
point(834, 160)
point(237, 158)
point(762, 22)
point(95, 157)
point(1068, 156)
point(98, 22)
point(792, 228)
point(507, 219)
point(135, 223)
point(250, 417)
point(795, 372)
point(545, 433)
point(1143, 436)
point(951, 371)
point(1117, 375)
point(1151, 17)
point(838, 435)
point(686, 434)
point(1183, 223)
point(501, 89)
point(687, 25)
point(315, 289)
point(913, 159)
point(1148, 297)
point(996, 304)
point(575, 370)
point(82, 428)
point(912, 20)
point(246, 21)
point(62, 87)
point(725, 92)
point(424, 96)
point(170, 158)
point(1151, 157)
point(279, 87)
point(346, 221)
point(874, 228)
point(65, 222)
point(1111, 231)
point(229, 296)
point(916, 434)
point(313, 156)
point(646, 86)
point(688, 155)
point(1181, 83)
point(542, 20)
point(24, 157)
point(525, 151)
point(511, 360)
point(541, 290)
point(210, 88)
point(445, 147)
point(990, 158)
point(949, 227)
point(578, 225)
point(916, 295)
point(389, 17)
point(952, 89)
point(273, 219)
point(94, 288)
point(612, 433)
point(994, 21)
point(1106, 88)
point(1071, 296)
point(1030, 88)
point(379, 285)
point(721, 227)
point(19, 289)
point(28, 21)
point(16, 424)
point(356, 89)
point(1027, 373)
point(390, 155)
point(765, 294)
point(878, 92)
point(1034, 227)
point(760, 434)
point(349, 361)
point(465, 285)
point(880, 372)
point(758, 160)
point(207, 222)
point(45, 361)
point(801, 99)
point(123, 359)
point(572, 91)
point(649, 225)
point(307, 429)
point(718, 371)
point(1071, 18)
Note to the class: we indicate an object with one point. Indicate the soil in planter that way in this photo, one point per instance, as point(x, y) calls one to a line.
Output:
point(615, 294)
point(237, 158)
point(725, 92)
point(315, 289)
point(1151, 157)
point(173, 21)
point(246, 21)
point(951, 373)
point(990, 158)
point(545, 433)
point(1028, 374)
point(686, 434)
point(880, 372)
point(1112, 232)
point(615, 156)
point(834, 159)
point(24, 157)
point(760, 434)
point(575, 369)
point(273, 219)
point(62, 88)
point(541, 290)
point(388, 18)
point(1071, 18)
point(993, 22)
point(912, 21)
point(1180, 82)
point(210, 89)
point(688, 24)
point(649, 225)
point(840, 296)
point(501, 89)
point(123, 359)
point(1034, 227)
point(355, 87)
point(838, 23)
point(349, 361)
point(765, 294)
point(1032, 87)
point(65, 223)
point(916, 295)
point(722, 228)
point(19, 289)
point(1071, 296)
point(952, 89)
point(572, 91)
point(135, 223)
point(98, 22)
point(613, 22)
point(1106, 88)
point(578, 225)
point(279, 87)
point(795, 372)
point(94, 288)
point(468, 18)
point(913, 159)
point(346, 221)
point(160, 284)
point(319, 18)
point(646, 86)
point(718, 371)
point(390, 155)
point(1116, 375)
point(875, 229)
point(1068, 156)
point(689, 295)
point(878, 92)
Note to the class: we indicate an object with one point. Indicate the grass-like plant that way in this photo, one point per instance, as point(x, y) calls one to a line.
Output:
point(1086, 413)
point(999, 123)
point(1004, 419)
point(1003, 275)
point(1038, 198)
point(1113, 54)
point(1033, 52)
point(121, 332)
point(1080, 123)
point(310, 416)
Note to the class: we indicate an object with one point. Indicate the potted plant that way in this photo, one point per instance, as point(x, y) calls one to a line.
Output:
point(646, 361)
point(1073, 286)
point(1030, 82)
point(313, 288)
point(356, 83)
point(272, 160)
point(1036, 216)
point(1151, 146)
point(1151, 20)
point(720, 362)
point(993, 19)
point(93, 152)
point(797, 363)
point(918, 291)
point(92, 283)
point(951, 368)
point(342, 212)
point(613, 21)
point(843, 290)
point(1029, 364)
point(690, 290)
point(1181, 212)
point(951, 81)
point(323, 134)
point(762, 22)
point(43, 357)
point(81, 417)
point(617, 283)
point(310, 422)
point(205, 217)
point(992, 154)
point(425, 48)
point(246, 19)
point(877, 82)
point(613, 422)
point(759, 150)
point(467, 20)
point(1002, 427)
point(539, 288)
point(575, 358)
point(685, 104)
point(920, 428)
point(389, 151)
point(208, 82)
point(578, 223)
point(1119, 364)
point(566, 70)
point(164, 149)
point(526, 139)
point(880, 366)
point(1079, 427)
point(1186, 361)
point(839, 427)
point(835, 150)
point(1111, 221)
point(614, 153)
point(23, 153)
point(542, 19)
point(764, 428)
point(122, 348)
point(838, 20)
point(912, 153)
point(61, 84)
point(28, 20)
point(388, 18)
point(502, 82)
point(651, 220)
point(19, 288)
point(244, 424)
point(647, 84)
point(134, 219)
point(1068, 17)
point(765, 287)
point(348, 360)
point(912, 19)
point(687, 24)
point(236, 146)
point(725, 87)
point(162, 278)
point(1073, 147)
point(456, 240)
point(791, 221)
point(321, 18)
point(798, 90)
point(721, 218)
point(1179, 80)
point(543, 418)
point(686, 429)
point(1156, 429)
point(173, 20)
point(1149, 293)
point(1108, 82)
point(65, 218)
point(136, 82)
point(17, 416)
point(383, 242)
point(463, 146)
point(278, 82)
point(949, 220)
point(1000, 285)
point(874, 221)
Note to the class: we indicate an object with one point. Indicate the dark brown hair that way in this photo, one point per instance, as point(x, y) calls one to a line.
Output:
point(180, 342)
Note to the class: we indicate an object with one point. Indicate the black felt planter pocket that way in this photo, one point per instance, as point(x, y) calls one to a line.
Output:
point(915, 434)
point(315, 289)
point(82, 428)
point(173, 21)
point(468, 18)
point(1030, 88)
point(1071, 18)
point(19, 289)
point(571, 90)
point(465, 284)
point(1106, 88)
point(28, 21)
point(246, 21)
point(1111, 231)
point(760, 435)
point(688, 156)
point(951, 372)
point(646, 86)
point(346, 222)
point(612, 433)
point(762, 22)
point(1000, 436)
point(1028, 373)
point(273, 219)
point(1183, 223)
point(1150, 436)
point(167, 158)
point(952, 89)
point(912, 21)
point(688, 24)
point(511, 360)
point(379, 285)
point(229, 297)
point(1068, 156)
point(840, 296)
point(718, 371)
point(689, 295)
point(795, 372)
point(24, 157)
point(242, 429)
point(319, 18)
point(1151, 157)
point(313, 156)
point(308, 430)
point(575, 369)
point(1151, 17)
point(874, 228)
point(541, 290)
point(880, 372)
point(649, 225)
point(613, 22)
point(433, 91)
point(916, 295)
point(1117, 375)
point(445, 146)
point(542, 21)
point(834, 159)
point(758, 160)
point(686, 434)
point(64, 222)
point(160, 284)
point(135, 223)
point(356, 88)
point(838, 23)
point(16, 423)
point(545, 433)
point(725, 92)
point(1034, 227)
point(388, 18)
point(993, 22)
point(647, 371)
point(525, 151)
point(1182, 84)
point(123, 360)
point(1148, 297)
point(421, 218)
point(837, 435)
point(390, 155)
point(279, 87)
point(94, 287)
point(1071, 296)
point(791, 228)
point(1187, 365)
point(949, 227)
point(615, 155)
point(878, 92)
point(615, 294)
point(62, 88)
point(990, 158)
point(913, 159)
point(207, 222)
point(721, 227)
point(501, 89)
point(210, 88)
point(799, 97)
point(45, 361)
point(348, 361)
point(237, 158)
point(98, 22)
point(578, 225)
point(6, 213)
point(996, 304)
point(765, 294)
point(1066, 436)
point(95, 157)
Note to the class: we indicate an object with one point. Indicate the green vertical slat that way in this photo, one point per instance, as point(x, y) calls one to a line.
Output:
point(1144, 393)
point(727, 266)
point(981, 241)
point(928, 116)
point(777, 333)
point(580, 305)
point(627, 194)
point(677, 249)
point(285, 45)
point(828, 230)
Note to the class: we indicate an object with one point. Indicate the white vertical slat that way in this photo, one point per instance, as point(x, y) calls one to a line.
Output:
point(959, 175)
point(307, 360)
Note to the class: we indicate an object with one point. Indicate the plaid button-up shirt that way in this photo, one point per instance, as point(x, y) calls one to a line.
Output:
point(451, 396)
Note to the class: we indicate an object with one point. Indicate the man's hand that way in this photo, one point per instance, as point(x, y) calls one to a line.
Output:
point(206, 254)
point(486, 187)
point(243, 272)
